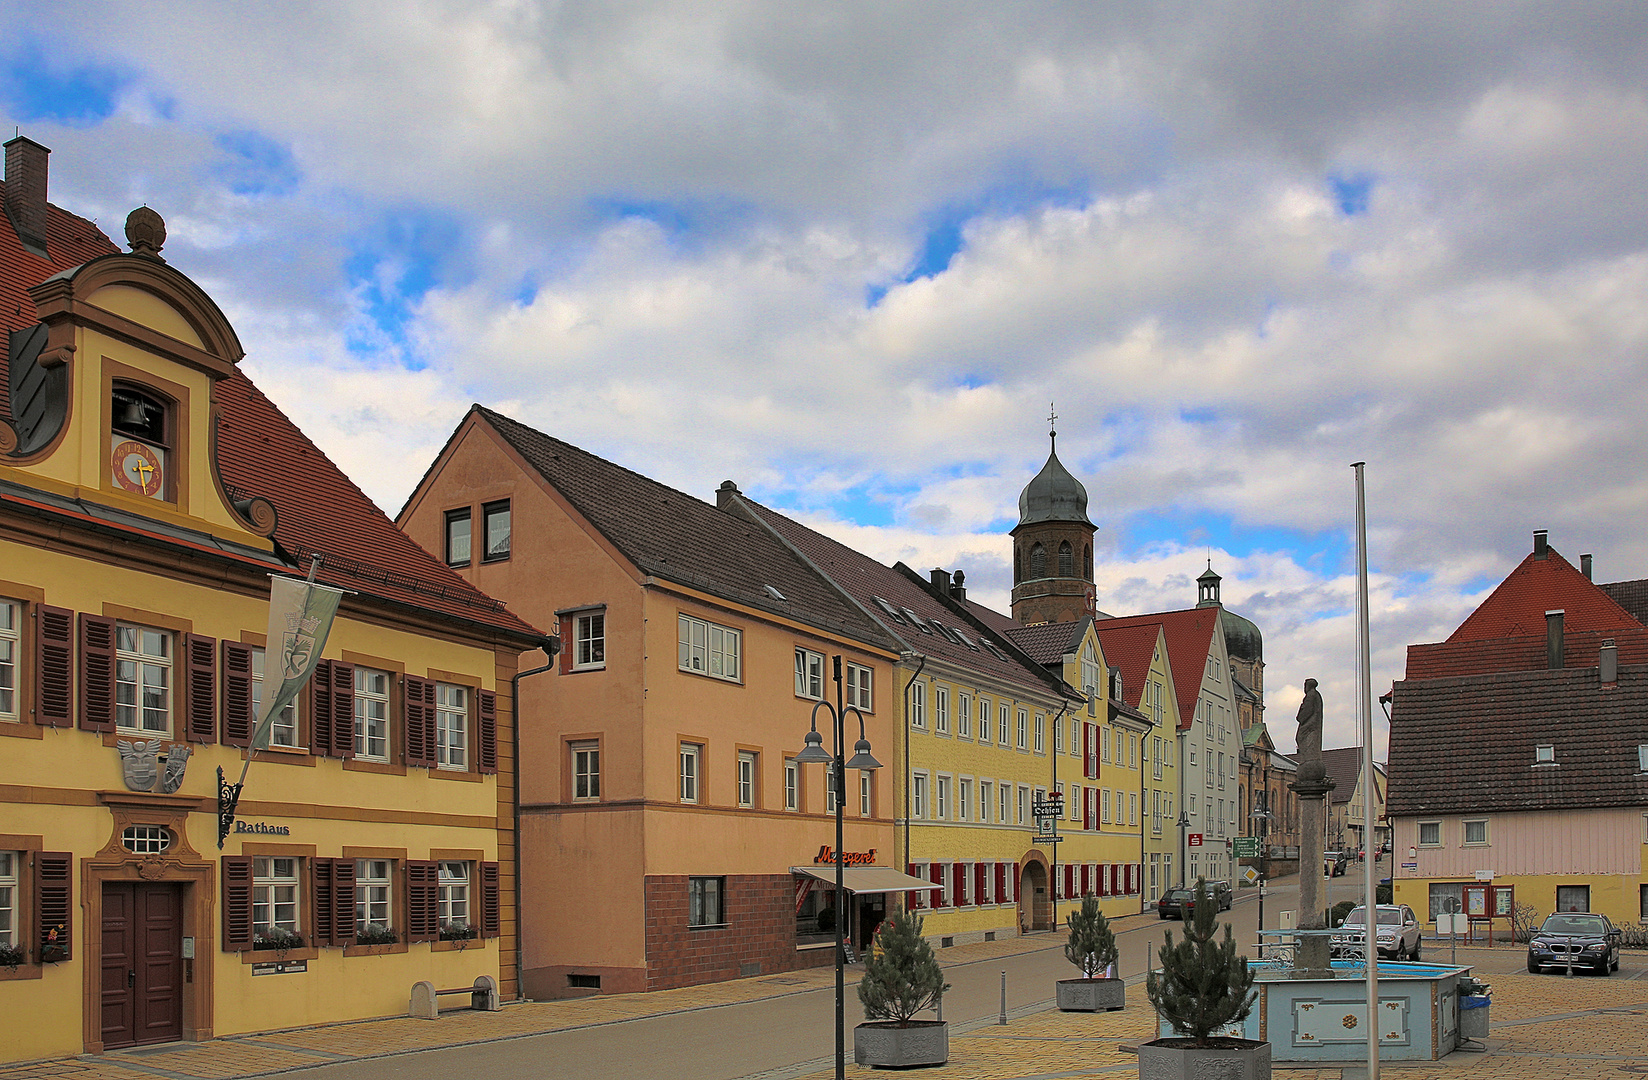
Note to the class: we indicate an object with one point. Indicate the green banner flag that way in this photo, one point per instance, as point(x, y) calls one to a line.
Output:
point(300, 618)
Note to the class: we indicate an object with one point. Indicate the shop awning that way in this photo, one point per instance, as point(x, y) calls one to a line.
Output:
point(866, 879)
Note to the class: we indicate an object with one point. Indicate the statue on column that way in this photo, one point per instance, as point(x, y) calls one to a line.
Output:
point(1312, 952)
point(1310, 735)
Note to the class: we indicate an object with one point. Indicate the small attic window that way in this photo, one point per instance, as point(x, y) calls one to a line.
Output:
point(1642, 757)
point(915, 620)
point(774, 593)
point(965, 640)
point(889, 609)
point(1545, 754)
point(994, 651)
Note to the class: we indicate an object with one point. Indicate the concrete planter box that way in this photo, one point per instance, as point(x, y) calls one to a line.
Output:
point(885, 1045)
point(1164, 1059)
point(1091, 995)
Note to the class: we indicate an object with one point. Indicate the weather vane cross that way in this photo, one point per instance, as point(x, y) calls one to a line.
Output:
point(1051, 416)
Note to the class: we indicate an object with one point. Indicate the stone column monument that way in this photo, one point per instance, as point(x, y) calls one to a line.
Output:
point(1312, 955)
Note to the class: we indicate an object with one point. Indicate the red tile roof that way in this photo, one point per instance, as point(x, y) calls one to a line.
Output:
point(1131, 648)
point(1189, 635)
point(1517, 607)
point(1446, 659)
point(261, 452)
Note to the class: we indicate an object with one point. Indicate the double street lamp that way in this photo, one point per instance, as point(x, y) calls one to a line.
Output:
point(813, 753)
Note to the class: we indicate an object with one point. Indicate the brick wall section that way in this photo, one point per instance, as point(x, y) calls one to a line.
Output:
point(760, 914)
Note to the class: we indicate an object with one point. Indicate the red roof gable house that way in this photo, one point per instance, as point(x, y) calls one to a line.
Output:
point(1519, 752)
point(148, 492)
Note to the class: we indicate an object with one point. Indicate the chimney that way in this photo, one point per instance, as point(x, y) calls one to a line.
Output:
point(724, 494)
point(958, 588)
point(1553, 639)
point(26, 192)
point(1541, 545)
point(940, 579)
point(1608, 662)
point(1585, 566)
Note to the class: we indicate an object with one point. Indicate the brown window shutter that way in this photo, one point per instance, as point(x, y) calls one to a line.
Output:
point(566, 644)
point(417, 718)
point(237, 694)
point(53, 905)
point(491, 911)
point(202, 683)
point(96, 672)
point(320, 873)
point(53, 666)
point(486, 754)
point(320, 709)
point(422, 901)
point(343, 902)
point(343, 711)
point(237, 902)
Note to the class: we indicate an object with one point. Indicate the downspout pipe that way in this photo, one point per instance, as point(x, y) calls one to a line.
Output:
point(921, 665)
point(551, 645)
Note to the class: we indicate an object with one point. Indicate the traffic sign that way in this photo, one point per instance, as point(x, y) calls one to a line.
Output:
point(1250, 875)
point(1246, 847)
point(1195, 839)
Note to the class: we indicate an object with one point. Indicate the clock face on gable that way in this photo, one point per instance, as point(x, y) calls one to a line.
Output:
point(139, 468)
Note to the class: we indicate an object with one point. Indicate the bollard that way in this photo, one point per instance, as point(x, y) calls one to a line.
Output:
point(941, 1006)
point(1002, 1018)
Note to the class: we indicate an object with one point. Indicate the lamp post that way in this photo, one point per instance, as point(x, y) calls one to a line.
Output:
point(1261, 814)
point(814, 753)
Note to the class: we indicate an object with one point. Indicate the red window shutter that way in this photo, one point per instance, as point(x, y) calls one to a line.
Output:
point(419, 721)
point(320, 871)
point(1087, 749)
point(1001, 882)
point(958, 878)
point(422, 901)
point(935, 874)
point(1104, 879)
point(53, 902)
point(202, 683)
point(237, 694)
point(486, 754)
point(343, 902)
point(53, 666)
point(1070, 881)
point(981, 882)
point(342, 695)
point(320, 707)
point(237, 902)
point(1086, 879)
point(1013, 871)
point(566, 644)
point(96, 672)
point(492, 923)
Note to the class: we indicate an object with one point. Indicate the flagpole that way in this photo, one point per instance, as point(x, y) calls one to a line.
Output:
point(1364, 716)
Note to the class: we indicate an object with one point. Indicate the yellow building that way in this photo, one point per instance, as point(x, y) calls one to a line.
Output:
point(148, 491)
point(1139, 659)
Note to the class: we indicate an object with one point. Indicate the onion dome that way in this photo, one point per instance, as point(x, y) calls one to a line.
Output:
point(1054, 495)
point(1242, 638)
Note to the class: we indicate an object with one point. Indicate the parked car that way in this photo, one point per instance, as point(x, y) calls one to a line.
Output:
point(1223, 893)
point(1397, 938)
point(1180, 902)
point(1587, 940)
point(1334, 863)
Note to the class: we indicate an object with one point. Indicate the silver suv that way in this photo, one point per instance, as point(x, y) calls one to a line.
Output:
point(1397, 938)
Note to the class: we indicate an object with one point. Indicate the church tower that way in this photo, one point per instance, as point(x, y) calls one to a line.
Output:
point(1053, 547)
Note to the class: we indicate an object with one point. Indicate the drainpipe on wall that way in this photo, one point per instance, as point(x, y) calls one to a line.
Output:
point(1058, 729)
point(921, 665)
point(551, 646)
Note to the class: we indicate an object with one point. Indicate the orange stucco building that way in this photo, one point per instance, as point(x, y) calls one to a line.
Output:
point(661, 811)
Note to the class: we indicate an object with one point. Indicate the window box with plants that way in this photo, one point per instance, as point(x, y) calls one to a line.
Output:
point(1092, 948)
point(460, 933)
point(901, 979)
point(1204, 987)
point(276, 939)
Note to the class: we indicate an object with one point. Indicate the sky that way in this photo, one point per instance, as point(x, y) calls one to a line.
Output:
point(850, 255)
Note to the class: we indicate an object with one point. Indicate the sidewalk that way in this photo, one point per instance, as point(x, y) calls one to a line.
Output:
point(1544, 1028)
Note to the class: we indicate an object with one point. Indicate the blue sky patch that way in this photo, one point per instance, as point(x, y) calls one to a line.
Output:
point(1323, 550)
point(254, 164)
point(80, 96)
point(1351, 193)
point(394, 264)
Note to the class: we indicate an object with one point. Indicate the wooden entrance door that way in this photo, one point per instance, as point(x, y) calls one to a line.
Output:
point(142, 963)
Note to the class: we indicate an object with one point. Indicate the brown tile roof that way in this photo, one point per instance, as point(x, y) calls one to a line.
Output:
point(1630, 595)
point(1049, 643)
point(671, 535)
point(1344, 766)
point(1189, 639)
point(1466, 745)
point(1517, 607)
point(866, 581)
point(261, 452)
point(990, 617)
point(1130, 647)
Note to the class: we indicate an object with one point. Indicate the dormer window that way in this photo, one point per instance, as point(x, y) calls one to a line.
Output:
point(140, 443)
point(1545, 754)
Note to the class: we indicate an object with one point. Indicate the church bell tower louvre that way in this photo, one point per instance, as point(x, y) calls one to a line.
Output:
point(1053, 547)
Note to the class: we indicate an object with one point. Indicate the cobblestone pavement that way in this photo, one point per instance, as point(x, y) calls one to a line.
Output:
point(1545, 1027)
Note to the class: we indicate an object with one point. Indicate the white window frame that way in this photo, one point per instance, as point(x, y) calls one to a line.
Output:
point(10, 916)
point(987, 794)
point(277, 893)
point(1024, 805)
point(11, 647)
point(374, 894)
point(1419, 834)
point(809, 674)
point(866, 794)
point(1465, 832)
point(748, 778)
point(585, 758)
point(708, 649)
point(1004, 717)
point(1004, 797)
point(941, 710)
point(918, 796)
point(860, 687)
point(964, 799)
point(918, 707)
point(1104, 805)
point(452, 727)
point(372, 735)
point(689, 772)
point(589, 640)
point(1132, 807)
point(135, 666)
point(1040, 735)
point(1545, 754)
point(792, 784)
point(453, 895)
point(985, 711)
point(964, 716)
point(941, 798)
point(1104, 744)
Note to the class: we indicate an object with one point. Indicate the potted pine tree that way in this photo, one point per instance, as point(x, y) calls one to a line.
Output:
point(901, 978)
point(1092, 948)
point(1203, 986)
